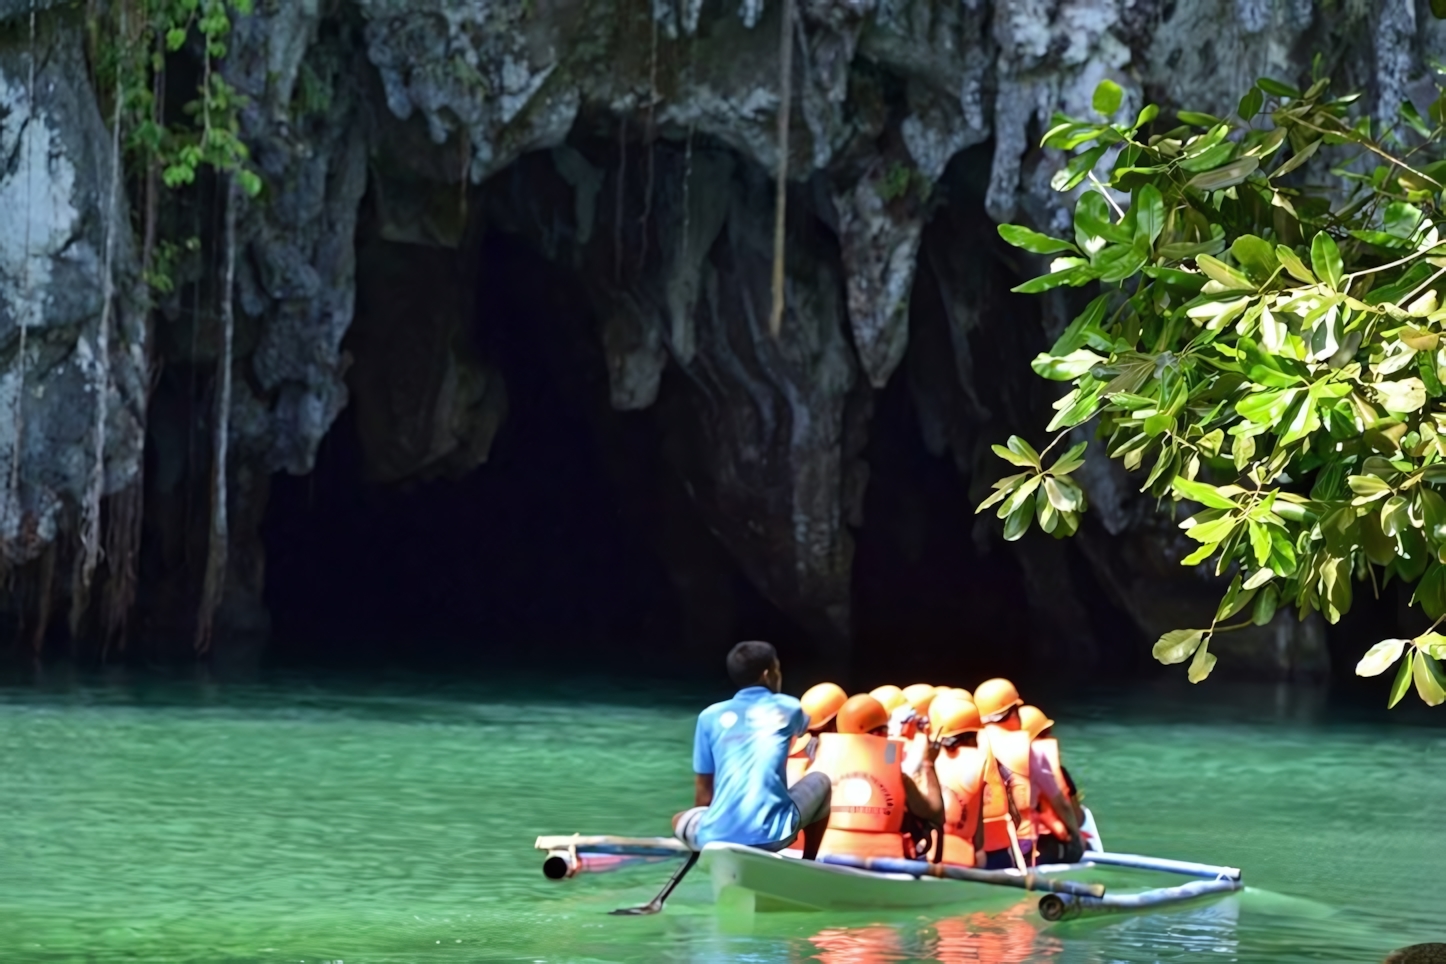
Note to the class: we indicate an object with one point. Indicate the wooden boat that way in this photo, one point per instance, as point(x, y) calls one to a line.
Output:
point(748, 879)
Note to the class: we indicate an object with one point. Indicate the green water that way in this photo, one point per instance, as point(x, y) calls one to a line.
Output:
point(367, 824)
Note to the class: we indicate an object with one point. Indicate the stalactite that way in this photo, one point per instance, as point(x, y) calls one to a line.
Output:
point(216, 550)
point(100, 375)
point(12, 491)
point(780, 201)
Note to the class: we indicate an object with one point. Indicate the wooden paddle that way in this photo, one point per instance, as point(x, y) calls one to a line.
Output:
point(656, 904)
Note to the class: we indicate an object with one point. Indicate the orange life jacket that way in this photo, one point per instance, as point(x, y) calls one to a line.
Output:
point(1009, 750)
point(961, 778)
point(868, 803)
point(800, 755)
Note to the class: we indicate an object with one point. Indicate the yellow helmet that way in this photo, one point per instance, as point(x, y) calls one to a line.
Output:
point(1033, 721)
point(822, 703)
point(995, 698)
point(951, 715)
point(889, 695)
point(920, 695)
point(862, 714)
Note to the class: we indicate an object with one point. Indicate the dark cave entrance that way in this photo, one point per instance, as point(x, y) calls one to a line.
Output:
point(572, 547)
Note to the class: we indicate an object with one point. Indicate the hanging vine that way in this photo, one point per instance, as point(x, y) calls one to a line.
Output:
point(132, 42)
point(780, 200)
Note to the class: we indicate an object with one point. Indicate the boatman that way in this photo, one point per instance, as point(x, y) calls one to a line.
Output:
point(1060, 840)
point(740, 791)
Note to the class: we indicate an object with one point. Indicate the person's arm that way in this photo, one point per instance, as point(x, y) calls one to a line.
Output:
point(702, 789)
point(702, 765)
point(921, 789)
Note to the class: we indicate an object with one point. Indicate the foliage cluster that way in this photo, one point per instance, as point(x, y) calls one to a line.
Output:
point(132, 44)
point(1266, 344)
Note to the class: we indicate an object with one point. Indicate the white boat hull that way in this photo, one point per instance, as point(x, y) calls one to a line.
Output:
point(747, 879)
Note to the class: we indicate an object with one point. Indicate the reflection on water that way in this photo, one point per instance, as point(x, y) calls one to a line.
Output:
point(393, 825)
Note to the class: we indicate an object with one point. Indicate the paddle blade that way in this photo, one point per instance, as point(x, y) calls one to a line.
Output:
point(640, 911)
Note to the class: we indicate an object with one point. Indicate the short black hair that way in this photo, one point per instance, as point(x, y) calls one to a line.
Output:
point(750, 660)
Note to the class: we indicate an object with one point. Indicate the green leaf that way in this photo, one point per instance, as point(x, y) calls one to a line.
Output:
point(1017, 523)
point(1023, 449)
point(1227, 176)
point(1206, 495)
point(1074, 276)
point(1202, 664)
point(1402, 683)
point(1084, 324)
point(1381, 657)
point(1177, 645)
point(1256, 256)
point(1293, 265)
point(1277, 88)
point(1265, 604)
point(1033, 241)
point(1197, 118)
point(1300, 157)
point(1428, 683)
point(1014, 458)
point(1070, 460)
point(1066, 368)
point(1060, 495)
point(1403, 396)
point(1108, 97)
point(1368, 488)
point(1325, 259)
point(1149, 208)
point(1260, 542)
point(1222, 273)
point(1250, 104)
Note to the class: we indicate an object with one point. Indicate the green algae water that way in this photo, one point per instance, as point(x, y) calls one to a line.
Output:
point(340, 822)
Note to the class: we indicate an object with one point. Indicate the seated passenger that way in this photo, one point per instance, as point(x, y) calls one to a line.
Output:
point(1060, 840)
point(1009, 829)
point(955, 723)
point(872, 791)
point(741, 794)
point(821, 703)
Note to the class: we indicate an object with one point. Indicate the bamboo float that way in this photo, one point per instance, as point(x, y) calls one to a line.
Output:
point(1183, 867)
point(1001, 878)
point(1057, 906)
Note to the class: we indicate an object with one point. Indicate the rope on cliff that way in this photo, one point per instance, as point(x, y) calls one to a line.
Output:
point(216, 550)
point(100, 375)
point(780, 200)
point(12, 492)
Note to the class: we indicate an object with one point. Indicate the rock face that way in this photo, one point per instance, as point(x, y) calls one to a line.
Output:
point(633, 142)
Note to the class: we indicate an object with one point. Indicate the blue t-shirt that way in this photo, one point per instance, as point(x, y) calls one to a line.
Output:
point(744, 743)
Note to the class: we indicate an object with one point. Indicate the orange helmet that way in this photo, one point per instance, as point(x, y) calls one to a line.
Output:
point(951, 715)
point(959, 691)
point(822, 703)
point(920, 695)
point(862, 714)
point(1033, 721)
point(889, 695)
point(995, 698)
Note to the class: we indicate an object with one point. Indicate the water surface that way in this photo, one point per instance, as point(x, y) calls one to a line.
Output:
point(373, 824)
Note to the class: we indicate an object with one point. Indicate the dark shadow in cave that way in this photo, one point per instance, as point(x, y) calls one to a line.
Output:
point(544, 556)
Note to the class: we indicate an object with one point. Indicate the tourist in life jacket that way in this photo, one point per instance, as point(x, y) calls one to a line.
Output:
point(1060, 840)
point(1009, 820)
point(955, 723)
point(821, 703)
point(872, 791)
point(740, 793)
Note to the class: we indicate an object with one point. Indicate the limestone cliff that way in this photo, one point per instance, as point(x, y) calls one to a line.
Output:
point(631, 142)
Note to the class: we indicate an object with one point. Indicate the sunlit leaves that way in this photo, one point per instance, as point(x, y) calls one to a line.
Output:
point(1265, 348)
